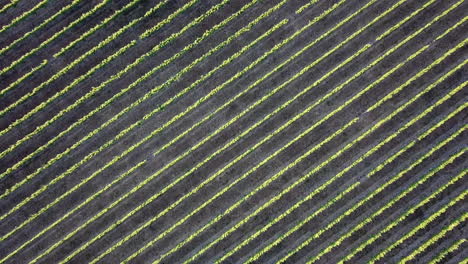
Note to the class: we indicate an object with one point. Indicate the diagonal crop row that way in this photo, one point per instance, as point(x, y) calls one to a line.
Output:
point(282, 216)
point(53, 37)
point(285, 214)
point(327, 117)
point(435, 239)
point(421, 225)
point(141, 184)
point(369, 197)
point(38, 27)
point(279, 196)
point(114, 77)
point(304, 7)
point(423, 202)
point(222, 65)
point(199, 208)
point(212, 222)
point(23, 16)
point(349, 167)
point(77, 80)
point(323, 186)
point(77, 61)
point(387, 205)
point(276, 47)
point(7, 6)
point(134, 146)
point(22, 78)
point(231, 142)
point(81, 120)
point(43, 104)
point(91, 31)
point(339, 175)
point(102, 190)
point(138, 144)
point(217, 27)
point(151, 30)
point(318, 18)
point(146, 117)
point(442, 255)
point(200, 164)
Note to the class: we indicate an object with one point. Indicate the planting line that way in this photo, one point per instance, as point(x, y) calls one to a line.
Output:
point(325, 141)
point(422, 180)
point(45, 22)
point(434, 239)
point(23, 16)
point(371, 240)
point(43, 104)
point(442, 255)
point(363, 201)
point(263, 78)
point(323, 186)
point(221, 65)
point(128, 88)
point(257, 256)
point(229, 144)
point(232, 229)
point(128, 150)
point(304, 7)
point(95, 131)
point(426, 200)
point(123, 154)
point(77, 80)
point(285, 214)
point(150, 31)
point(423, 224)
point(260, 187)
point(109, 163)
point(275, 48)
point(56, 35)
point(11, 4)
point(14, 84)
point(327, 117)
point(401, 195)
point(330, 203)
point(105, 188)
point(98, 26)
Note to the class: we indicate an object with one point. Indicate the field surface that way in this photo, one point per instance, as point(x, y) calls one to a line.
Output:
point(233, 131)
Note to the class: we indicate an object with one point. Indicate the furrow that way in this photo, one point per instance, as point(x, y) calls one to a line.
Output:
point(44, 23)
point(393, 201)
point(224, 63)
point(442, 255)
point(423, 224)
point(330, 181)
point(24, 15)
point(421, 249)
point(217, 218)
point(128, 150)
point(49, 40)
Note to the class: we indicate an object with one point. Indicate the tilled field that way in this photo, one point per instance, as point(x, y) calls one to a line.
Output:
point(233, 131)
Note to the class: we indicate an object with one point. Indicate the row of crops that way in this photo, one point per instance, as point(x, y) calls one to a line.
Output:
point(233, 131)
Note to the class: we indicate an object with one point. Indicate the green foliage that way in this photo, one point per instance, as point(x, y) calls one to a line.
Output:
point(106, 21)
point(435, 239)
point(45, 22)
point(23, 16)
point(53, 37)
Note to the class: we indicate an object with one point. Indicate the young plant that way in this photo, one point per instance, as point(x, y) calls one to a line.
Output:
point(38, 27)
